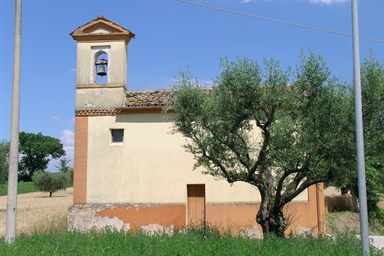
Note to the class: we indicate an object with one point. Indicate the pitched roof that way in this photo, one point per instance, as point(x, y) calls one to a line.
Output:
point(148, 98)
point(101, 29)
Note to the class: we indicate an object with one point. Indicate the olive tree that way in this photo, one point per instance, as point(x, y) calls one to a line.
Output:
point(50, 181)
point(278, 130)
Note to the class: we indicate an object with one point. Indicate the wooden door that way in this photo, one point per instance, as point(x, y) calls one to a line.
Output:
point(196, 204)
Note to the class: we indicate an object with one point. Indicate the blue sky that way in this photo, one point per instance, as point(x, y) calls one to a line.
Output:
point(170, 35)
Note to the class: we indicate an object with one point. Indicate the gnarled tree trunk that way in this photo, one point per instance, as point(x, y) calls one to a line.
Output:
point(271, 219)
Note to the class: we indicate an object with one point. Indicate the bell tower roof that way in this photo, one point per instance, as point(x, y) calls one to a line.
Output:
point(101, 29)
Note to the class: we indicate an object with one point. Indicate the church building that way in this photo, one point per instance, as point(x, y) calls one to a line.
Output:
point(131, 173)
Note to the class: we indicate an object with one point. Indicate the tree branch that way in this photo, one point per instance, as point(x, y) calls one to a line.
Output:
point(213, 160)
point(309, 182)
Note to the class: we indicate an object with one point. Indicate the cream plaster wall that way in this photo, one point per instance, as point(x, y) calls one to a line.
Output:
point(150, 166)
point(110, 95)
point(104, 98)
point(117, 62)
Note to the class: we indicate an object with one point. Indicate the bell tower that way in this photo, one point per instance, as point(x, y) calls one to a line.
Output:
point(101, 68)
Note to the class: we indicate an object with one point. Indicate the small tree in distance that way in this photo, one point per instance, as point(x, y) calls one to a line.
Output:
point(50, 182)
point(63, 167)
point(63, 164)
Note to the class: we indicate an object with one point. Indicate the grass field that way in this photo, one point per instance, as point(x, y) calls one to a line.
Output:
point(191, 242)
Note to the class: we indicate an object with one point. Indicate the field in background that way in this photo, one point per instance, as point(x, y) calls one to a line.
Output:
point(37, 211)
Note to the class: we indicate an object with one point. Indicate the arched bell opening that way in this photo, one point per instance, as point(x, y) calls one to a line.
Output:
point(101, 67)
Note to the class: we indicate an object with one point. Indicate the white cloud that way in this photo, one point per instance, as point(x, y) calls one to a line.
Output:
point(69, 153)
point(72, 70)
point(60, 121)
point(245, 1)
point(67, 137)
point(327, 2)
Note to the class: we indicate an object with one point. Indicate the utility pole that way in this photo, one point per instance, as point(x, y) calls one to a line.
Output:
point(359, 134)
point(10, 232)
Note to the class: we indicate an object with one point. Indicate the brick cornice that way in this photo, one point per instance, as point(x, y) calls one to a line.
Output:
point(87, 86)
point(97, 112)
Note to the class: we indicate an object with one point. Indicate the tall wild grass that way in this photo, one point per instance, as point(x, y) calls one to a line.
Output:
point(55, 240)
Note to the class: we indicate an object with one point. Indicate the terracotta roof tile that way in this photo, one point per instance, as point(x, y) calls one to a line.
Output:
point(148, 98)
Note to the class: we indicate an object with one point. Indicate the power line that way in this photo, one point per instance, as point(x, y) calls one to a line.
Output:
point(279, 21)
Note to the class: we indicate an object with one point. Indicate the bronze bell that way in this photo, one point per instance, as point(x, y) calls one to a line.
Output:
point(101, 70)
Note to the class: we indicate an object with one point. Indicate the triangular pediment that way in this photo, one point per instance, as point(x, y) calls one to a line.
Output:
point(101, 29)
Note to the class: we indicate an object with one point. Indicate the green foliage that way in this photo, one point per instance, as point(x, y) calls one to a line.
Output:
point(63, 165)
point(26, 187)
point(3, 189)
point(303, 118)
point(4, 154)
point(36, 151)
point(50, 182)
point(375, 190)
point(180, 243)
point(69, 173)
point(372, 85)
point(22, 188)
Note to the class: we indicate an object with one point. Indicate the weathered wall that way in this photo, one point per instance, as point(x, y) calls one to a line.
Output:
point(142, 182)
point(235, 217)
point(90, 94)
point(99, 97)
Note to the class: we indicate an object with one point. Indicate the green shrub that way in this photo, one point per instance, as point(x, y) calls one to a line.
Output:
point(50, 182)
point(69, 172)
point(26, 187)
point(22, 188)
point(3, 189)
